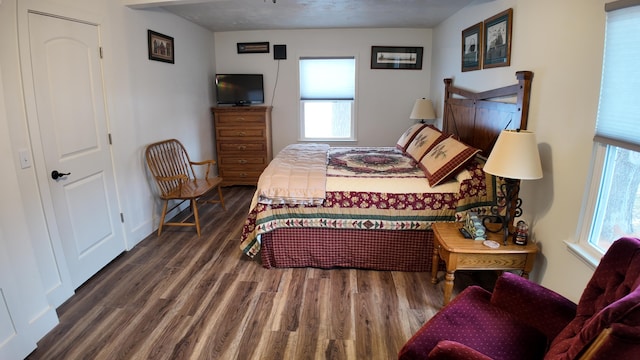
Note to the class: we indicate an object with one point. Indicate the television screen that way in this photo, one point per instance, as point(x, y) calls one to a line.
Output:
point(239, 89)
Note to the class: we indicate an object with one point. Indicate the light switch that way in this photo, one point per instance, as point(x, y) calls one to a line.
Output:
point(25, 159)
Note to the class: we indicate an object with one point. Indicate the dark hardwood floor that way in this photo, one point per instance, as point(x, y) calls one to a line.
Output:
point(178, 296)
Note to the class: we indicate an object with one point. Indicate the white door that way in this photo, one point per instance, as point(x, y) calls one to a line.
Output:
point(72, 122)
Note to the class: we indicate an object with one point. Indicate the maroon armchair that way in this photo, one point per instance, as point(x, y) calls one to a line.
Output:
point(523, 320)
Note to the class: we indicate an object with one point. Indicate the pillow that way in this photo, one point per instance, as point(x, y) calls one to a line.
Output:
point(445, 158)
point(423, 141)
point(408, 135)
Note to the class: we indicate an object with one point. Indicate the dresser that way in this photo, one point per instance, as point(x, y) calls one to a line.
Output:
point(243, 142)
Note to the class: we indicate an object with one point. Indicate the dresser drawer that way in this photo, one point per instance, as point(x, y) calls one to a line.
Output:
point(250, 159)
point(234, 147)
point(240, 119)
point(240, 174)
point(247, 132)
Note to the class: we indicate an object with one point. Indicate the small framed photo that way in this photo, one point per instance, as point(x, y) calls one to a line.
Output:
point(497, 40)
point(396, 57)
point(472, 47)
point(160, 47)
point(253, 48)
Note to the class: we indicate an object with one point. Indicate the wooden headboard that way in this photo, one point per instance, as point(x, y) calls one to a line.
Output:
point(478, 118)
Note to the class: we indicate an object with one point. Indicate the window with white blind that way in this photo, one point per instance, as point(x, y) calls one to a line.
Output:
point(613, 197)
point(327, 99)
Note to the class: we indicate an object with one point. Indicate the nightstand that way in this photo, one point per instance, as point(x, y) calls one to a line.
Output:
point(460, 253)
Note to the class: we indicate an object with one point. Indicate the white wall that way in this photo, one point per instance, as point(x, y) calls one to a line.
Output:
point(160, 101)
point(562, 43)
point(146, 101)
point(25, 313)
point(384, 97)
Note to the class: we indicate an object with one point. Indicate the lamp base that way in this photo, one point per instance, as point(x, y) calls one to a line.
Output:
point(511, 203)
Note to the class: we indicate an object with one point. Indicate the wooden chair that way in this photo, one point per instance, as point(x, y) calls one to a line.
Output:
point(172, 169)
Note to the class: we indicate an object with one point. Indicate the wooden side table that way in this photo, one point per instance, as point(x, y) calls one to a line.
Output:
point(460, 253)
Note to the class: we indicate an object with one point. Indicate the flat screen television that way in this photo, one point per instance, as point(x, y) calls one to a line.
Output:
point(239, 89)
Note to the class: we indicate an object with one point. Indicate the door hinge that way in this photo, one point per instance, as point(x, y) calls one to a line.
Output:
point(110, 142)
point(121, 217)
point(100, 51)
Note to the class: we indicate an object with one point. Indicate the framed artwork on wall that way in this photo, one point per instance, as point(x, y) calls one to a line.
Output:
point(497, 40)
point(396, 57)
point(253, 47)
point(472, 47)
point(160, 47)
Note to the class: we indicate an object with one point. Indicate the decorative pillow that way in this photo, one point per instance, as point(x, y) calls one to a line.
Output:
point(444, 159)
point(408, 135)
point(423, 141)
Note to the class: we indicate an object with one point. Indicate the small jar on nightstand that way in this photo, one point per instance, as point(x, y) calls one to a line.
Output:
point(521, 235)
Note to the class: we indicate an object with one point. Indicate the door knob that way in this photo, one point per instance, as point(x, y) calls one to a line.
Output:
point(55, 174)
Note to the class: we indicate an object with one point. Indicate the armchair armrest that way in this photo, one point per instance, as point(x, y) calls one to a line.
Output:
point(527, 300)
point(205, 162)
point(450, 350)
point(209, 163)
point(620, 341)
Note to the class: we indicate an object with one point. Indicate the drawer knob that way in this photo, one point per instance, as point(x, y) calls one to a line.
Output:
point(241, 133)
point(242, 147)
point(240, 119)
point(242, 161)
point(243, 174)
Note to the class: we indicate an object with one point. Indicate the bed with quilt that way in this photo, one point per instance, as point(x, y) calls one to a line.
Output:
point(372, 207)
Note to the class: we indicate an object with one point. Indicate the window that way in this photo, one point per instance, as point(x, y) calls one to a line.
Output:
point(613, 199)
point(327, 95)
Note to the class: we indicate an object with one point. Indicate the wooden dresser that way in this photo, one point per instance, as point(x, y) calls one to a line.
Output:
point(243, 143)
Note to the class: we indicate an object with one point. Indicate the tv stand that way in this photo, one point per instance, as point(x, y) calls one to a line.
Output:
point(243, 142)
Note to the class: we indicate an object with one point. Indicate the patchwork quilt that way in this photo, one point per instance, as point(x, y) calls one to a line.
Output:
point(376, 189)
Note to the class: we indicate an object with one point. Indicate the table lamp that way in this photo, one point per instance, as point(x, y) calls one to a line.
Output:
point(423, 110)
point(514, 157)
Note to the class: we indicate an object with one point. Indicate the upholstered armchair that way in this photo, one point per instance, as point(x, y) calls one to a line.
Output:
point(523, 320)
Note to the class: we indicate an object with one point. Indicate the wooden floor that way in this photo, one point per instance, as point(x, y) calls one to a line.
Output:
point(178, 296)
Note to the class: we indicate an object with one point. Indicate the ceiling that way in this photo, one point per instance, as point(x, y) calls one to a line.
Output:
point(237, 15)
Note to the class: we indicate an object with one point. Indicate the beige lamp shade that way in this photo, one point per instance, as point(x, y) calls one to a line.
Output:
point(515, 156)
point(423, 110)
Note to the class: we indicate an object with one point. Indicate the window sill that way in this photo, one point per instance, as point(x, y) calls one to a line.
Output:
point(583, 254)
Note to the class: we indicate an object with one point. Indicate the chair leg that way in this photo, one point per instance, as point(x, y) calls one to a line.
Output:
point(164, 213)
point(221, 198)
point(194, 206)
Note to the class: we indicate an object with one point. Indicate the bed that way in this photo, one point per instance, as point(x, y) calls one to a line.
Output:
point(372, 208)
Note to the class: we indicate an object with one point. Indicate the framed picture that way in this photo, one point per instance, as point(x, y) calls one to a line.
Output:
point(472, 47)
point(160, 47)
point(497, 40)
point(396, 57)
point(253, 48)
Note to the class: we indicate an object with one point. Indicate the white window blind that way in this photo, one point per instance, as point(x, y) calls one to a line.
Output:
point(618, 121)
point(327, 79)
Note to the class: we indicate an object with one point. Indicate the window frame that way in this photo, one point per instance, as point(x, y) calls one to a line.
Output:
point(603, 143)
point(582, 247)
point(354, 102)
